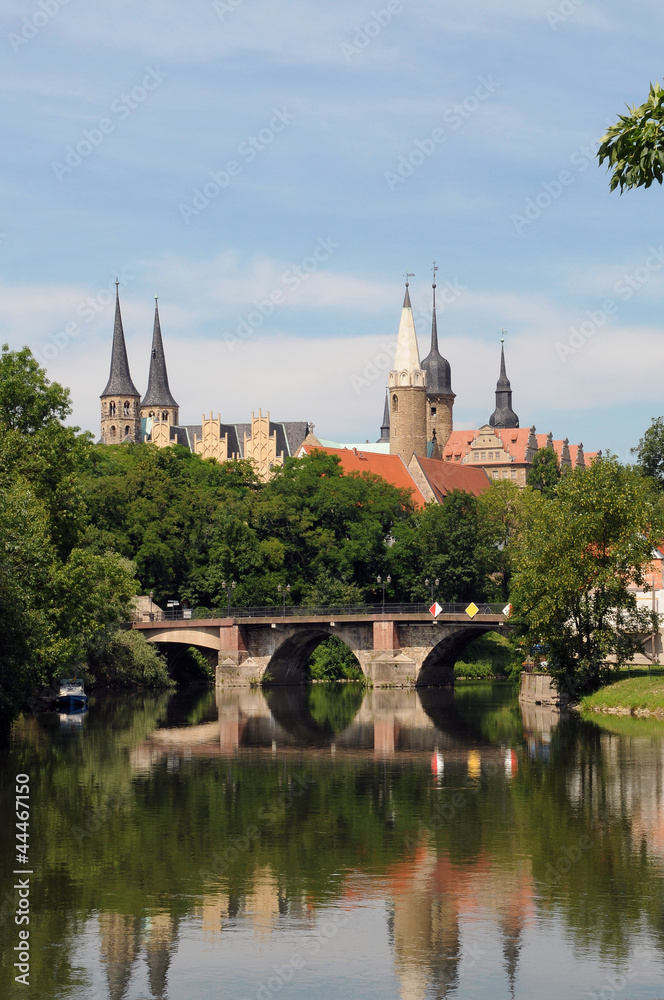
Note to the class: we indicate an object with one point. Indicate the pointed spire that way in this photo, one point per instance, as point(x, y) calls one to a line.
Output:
point(385, 426)
point(119, 380)
point(158, 391)
point(407, 355)
point(503, 416)
point(439, 373)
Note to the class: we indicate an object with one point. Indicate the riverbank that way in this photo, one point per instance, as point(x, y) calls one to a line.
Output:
point(642, 695)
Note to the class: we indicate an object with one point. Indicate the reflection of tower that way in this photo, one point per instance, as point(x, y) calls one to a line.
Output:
point(160, 944)
point(119, 934)
point(511, 927)
point(407, 386)
point(424, 928)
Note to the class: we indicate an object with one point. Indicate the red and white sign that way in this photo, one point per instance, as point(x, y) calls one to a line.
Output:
point(435, 609)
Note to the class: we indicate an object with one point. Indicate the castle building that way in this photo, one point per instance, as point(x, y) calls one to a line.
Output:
point(125, 418)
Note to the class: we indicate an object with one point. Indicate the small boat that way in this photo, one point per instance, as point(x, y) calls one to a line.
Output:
point(72, 695)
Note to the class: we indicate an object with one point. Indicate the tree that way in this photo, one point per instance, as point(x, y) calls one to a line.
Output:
point(650, 452)
point(445, 542)
point(634, 146)
point(505, 510)
point(545, 472)
point(576, 563)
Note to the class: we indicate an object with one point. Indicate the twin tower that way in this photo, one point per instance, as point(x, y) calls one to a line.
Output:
point(420, 393)
point(124, 415)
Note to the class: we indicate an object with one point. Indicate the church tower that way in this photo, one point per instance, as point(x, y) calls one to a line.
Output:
point(158, 405)
point(407, 388)
point(440, 398)
point(120, 400)
point(503, 415)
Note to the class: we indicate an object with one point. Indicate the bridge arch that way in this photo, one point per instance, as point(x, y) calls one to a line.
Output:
point(437, 669)
point(288, 663)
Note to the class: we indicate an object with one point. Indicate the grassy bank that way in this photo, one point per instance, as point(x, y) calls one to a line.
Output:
point(487, 657)
point(640, 694)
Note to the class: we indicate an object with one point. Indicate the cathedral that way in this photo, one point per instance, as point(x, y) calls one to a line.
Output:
point(125, 417)
point(418, 422)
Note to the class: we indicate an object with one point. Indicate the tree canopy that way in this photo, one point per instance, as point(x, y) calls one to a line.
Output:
point(575, 566)
point(634, 146)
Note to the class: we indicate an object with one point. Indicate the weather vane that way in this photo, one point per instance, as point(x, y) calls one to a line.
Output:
point(434, 269)
point(503, 334)
point(409, 274)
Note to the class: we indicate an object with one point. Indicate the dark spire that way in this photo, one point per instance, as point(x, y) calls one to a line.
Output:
point(406, 298)
point(385, 426)
point(439, 374)
point(503, 415)
point(158, 392)
point(119, 380)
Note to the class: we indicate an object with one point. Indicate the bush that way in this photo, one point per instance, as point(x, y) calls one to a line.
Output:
point(128, 660)
point(334, 661)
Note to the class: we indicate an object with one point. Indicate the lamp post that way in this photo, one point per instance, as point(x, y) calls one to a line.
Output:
point(229, 588)
point(430, 585)
point(283, 591)
point(383, 584)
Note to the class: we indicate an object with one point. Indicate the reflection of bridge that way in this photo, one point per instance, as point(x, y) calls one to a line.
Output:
point(399, 648)
point(385, 725)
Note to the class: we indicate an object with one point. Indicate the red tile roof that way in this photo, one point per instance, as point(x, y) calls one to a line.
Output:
point(389, 467)
point(443, 477)
point(514, 442)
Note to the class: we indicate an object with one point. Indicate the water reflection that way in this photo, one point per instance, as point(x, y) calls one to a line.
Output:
point(402, 844)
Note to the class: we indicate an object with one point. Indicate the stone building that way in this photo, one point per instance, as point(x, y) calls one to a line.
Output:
point(156, 418)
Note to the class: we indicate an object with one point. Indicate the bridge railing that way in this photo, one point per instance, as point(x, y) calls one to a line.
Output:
point(316, 611)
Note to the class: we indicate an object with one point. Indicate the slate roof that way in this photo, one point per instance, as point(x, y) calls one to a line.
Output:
point(439, 373)
point(503, 415)
point(158, 392)
point(290, 435)
point(385, 426)
point(119, 380)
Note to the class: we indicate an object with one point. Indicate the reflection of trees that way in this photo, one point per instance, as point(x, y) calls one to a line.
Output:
point(281, 835)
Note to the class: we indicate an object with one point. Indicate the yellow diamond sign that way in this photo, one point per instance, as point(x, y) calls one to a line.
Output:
point(472, 610)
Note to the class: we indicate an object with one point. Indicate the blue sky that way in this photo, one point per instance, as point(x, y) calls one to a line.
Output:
point(350, 143)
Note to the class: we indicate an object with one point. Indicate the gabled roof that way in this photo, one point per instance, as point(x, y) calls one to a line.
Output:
point(391, 468)
point(443, 477)
point(514, 441)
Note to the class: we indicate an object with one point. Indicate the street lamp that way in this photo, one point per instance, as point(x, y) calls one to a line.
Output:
point(430, 585)
point(283, 591)
point(229, 588)
point(383, 584)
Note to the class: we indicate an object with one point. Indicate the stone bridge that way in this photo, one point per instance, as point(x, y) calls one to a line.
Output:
point(400, 649)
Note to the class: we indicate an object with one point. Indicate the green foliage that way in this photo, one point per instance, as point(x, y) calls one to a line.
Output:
point(634, 146)
point(202, 664)
point(489, 656)
point(545, 472)
point(127, 660)
point(504, 511)
point(631, 693)
point(445, 542)
point(332, 660)
point(575, 565)
point(334, 706)
point(650, 452)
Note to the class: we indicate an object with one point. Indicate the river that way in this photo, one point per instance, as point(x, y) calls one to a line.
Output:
point(331, 843)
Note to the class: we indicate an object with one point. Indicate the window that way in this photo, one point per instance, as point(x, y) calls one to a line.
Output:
point(113, 431)
point(125, 408)
point(164, 415)
point(127, 430)
point(433, 411)
point(495, 473)
point(506, 473)
point(513, 471)
point(483, 456)
point(395, 403)
point(111, 409)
